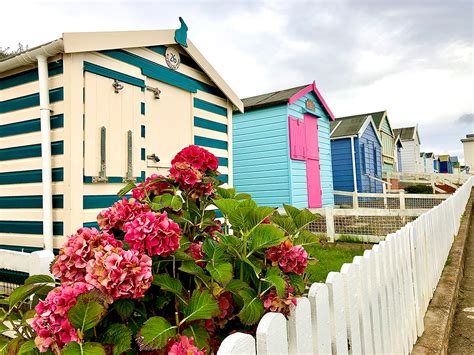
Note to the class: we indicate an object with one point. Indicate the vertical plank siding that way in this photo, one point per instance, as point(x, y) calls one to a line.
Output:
point(374, 305)
point(20, 157)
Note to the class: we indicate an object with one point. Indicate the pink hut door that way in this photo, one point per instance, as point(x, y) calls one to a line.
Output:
point(313, 175)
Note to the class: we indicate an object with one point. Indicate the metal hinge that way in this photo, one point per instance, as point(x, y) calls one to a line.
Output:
point(129, 177)
point(102, 169)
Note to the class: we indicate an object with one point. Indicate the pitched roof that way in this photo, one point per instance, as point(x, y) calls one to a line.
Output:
point(271, 98)
point(429, 155)
point(347, 126)
point(405, 133)
point(74, 42)
point(286, 96)
point(376, 116)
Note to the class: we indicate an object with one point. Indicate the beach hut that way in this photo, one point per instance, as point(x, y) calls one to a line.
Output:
point(455, 164)
point(436, 164)
point(387, 137)
point(445, 164)
point(84, 114)
point(410, 139)
point(281, 148)
point(356, 155)
point(428, 162)
point(398, 154)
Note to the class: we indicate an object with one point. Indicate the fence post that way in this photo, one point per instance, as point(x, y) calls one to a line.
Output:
point(402, 200)
point(384, 191)
point(237, 344)
point(272, 335)
point(355, 200)
point(39, 262)
point(330, 229)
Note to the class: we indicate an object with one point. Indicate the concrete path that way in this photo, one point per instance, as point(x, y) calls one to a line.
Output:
point(461, 340)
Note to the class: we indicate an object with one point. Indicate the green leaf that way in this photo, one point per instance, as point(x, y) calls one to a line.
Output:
point(304, 218)
point(154, 334)
point(278, 282)
point(74, 348)
point(21, 293)
point(86, 313)
point(285, 222)
point(4, 345)
point(28, 348)
point(253, 308)
point(265, 236)
point(257, 215)
point(120, 336)
point(237, 285)
point(200, 335)
point(222, 273)
point(167, 200)
point(124, 308)
point(190, 267)
point(227, 206)
point(214, 251)
point(243, 196)
point(239, 218)
point(248, 203)
point(226, 193)
point(39, 279)
point(123, 191)
point(291, 211)
point(202, 305)
point(170, 284)
point(306, 238)
point(297, 281)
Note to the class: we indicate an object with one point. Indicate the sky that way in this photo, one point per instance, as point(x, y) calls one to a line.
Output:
point(414, 58)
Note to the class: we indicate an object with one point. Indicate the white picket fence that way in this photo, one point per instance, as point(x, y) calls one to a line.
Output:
point(374, 305)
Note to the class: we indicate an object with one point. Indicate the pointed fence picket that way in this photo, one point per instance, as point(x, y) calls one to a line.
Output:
point(376, 304)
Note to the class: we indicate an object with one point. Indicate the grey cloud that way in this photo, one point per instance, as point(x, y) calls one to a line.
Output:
point(467, 118)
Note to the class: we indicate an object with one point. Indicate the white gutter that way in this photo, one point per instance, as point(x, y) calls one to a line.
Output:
point(47, 183)
point(353, 164)
point(30, 56)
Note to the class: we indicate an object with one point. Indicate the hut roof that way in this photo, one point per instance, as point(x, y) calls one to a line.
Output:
point(271, 98)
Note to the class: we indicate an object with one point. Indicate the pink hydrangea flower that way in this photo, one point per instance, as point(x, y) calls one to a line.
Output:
point(197, 157)
point(70, 264)
point(121, 212)
point(153, 189)
point(120, 273)
point(195, 251)
point(154, 234)
point(273, 303)
point(185, 346)
point(288, 257)
point(51, 323)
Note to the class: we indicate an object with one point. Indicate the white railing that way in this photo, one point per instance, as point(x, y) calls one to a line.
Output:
point(31, 263)
point(388, 200)
point(375, 304)
point(428, 177)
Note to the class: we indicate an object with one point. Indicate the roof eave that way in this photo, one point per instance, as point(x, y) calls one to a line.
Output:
point(309, 88)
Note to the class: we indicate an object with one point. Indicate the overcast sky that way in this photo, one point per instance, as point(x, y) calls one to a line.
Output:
point(414, 58)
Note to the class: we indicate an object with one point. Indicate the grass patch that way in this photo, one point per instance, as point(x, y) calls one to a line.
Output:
point(330, 259)
point(449, 260)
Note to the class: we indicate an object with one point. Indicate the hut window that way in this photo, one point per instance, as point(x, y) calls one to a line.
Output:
point(297, 138)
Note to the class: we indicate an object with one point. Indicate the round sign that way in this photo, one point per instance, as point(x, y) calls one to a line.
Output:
point(172, 58)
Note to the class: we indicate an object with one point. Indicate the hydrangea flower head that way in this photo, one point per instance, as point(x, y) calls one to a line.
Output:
point(288, 257)
point(121, 212)
point(185, 346)
point(154, 234)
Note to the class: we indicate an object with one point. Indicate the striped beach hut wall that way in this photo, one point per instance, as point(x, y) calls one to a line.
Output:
point(281, 148)
point(111, 107)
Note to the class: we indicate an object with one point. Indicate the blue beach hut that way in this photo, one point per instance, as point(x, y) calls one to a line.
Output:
point(281, 148)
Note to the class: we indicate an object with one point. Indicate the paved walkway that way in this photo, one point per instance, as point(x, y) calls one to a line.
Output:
point(461, 340)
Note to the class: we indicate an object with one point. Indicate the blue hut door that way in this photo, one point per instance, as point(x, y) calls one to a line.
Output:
point(313, 175)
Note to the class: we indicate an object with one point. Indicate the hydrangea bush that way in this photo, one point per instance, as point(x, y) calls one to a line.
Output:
point(164, 274)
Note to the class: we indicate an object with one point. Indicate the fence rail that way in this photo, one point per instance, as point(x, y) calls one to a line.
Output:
point(375, 304)
point(388, 200)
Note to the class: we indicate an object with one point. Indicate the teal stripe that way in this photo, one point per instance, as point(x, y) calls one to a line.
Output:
point(29, 151)
point(223, 161)
point(207, 124)
point(223, 178)
point(113, 179)
point(34, 125)
point(143, 154)
point(210, 142)
point(29, 227)
point(99, 201)
point(112, 74)
point(143, 131)
point(204, 105)
point(162, 73)
point(19, 248)
point(35, 201)
point(32, 100)
point(142, 108)
point(29, 176)
point(29, 76)
point(90, 225)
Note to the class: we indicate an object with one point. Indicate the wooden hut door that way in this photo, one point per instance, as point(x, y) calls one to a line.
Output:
point(313, 175)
